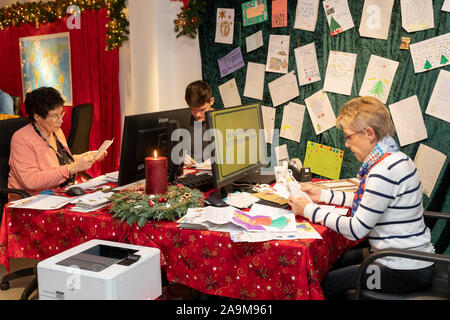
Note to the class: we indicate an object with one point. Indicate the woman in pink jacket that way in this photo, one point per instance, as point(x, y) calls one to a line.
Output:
point(40, 158)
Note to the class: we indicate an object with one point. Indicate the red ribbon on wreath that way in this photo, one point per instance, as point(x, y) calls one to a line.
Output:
point(185, 2)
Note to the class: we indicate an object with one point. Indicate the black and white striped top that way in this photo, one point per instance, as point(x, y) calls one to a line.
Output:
point(390, 213)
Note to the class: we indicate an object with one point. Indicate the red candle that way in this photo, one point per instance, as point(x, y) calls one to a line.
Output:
point(156, 175)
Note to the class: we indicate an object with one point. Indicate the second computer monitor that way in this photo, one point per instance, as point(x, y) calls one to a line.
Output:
point(145, 133)
point(239, 142)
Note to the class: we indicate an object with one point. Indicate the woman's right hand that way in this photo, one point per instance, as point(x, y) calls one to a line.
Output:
point(313, 191)
point(82, 164)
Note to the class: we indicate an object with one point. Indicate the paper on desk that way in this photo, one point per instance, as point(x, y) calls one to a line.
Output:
point(218, 215)
point(105, 145)
point(376, 19)
point(408, 120)
point(417, 15)
point(282, 154)
point(41, 202)
point(429, 163)
point(438, 104)
point(306, 15)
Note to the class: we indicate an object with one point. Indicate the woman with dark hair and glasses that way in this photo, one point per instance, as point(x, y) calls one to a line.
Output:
point(40, 158)
point(387, 207)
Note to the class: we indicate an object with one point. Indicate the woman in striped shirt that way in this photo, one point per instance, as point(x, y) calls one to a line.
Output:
point(386, 208)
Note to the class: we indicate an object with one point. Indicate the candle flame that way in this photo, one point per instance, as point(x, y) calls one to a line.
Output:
point(155, 154)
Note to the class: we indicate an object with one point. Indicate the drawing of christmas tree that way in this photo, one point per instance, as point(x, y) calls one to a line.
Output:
point(444, 60)
point(427, 65)
point(335, 27)
point(378, 89)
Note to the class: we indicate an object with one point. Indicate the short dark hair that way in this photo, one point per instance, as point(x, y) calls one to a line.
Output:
point(198, 93)
point(42, 100)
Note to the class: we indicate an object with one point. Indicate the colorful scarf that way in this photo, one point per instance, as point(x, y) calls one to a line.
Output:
point(382, 149)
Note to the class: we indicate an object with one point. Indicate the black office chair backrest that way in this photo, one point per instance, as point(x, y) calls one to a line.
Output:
point(7, 128)
point(17, 100)
point(78, 140)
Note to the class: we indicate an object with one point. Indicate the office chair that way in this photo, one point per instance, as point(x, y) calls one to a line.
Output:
point(7, 129)
point(17, 100)
point(440, 287)
point(78, 140)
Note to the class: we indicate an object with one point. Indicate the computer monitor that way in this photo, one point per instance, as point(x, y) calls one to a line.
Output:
point(239, 145)
point(145, 133)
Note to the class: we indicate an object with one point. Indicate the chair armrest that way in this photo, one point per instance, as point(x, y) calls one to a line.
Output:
point(22, 193)
point(438, 215)
point(394, 252)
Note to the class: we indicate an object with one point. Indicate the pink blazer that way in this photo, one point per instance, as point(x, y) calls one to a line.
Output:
point(34, 165)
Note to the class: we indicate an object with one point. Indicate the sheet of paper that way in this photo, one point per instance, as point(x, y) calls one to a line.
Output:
point(417, 15)
point(446, 6)
point(306, 15)
point(283, 89)
point(431, 53)
point(254, 11)
point(376, 19)
point(218, 215)
point(279, 13)
point(105, 145)
point(231, 62)
point(320, 111)
point(340, 72)
point(268, 114)
point(438, 104)
point(225, 25)
point(278, 54)
point(254, 41)
point(378, 78)
point(270, 218)
point(323, 160)
point(338, 16)
point(408, 121)
point(230, 94)
point(307, 66)
point(254, 80)
point(429, 163)
point(42, 202)
point(282, 154)
point(292, 122)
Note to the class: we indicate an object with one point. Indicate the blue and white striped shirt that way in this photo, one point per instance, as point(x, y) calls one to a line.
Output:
point(390, 213)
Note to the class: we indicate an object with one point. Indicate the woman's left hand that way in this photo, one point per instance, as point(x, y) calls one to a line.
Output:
point(298, 205)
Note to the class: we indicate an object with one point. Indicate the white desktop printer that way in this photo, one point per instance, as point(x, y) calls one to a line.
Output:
point(101, 270)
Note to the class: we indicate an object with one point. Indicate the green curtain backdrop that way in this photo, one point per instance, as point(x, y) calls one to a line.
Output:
point(406, 82)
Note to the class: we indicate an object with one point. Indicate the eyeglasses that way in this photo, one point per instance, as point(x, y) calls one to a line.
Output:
point(347, 138)
point(55, 117)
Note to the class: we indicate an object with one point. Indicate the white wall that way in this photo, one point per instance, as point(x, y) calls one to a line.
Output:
point(160, 64)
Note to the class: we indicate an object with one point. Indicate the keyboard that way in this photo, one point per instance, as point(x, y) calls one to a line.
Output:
point(272, 204)
point(203, 182)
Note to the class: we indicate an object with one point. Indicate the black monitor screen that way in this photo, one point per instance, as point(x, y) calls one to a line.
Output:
point(145, 133)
